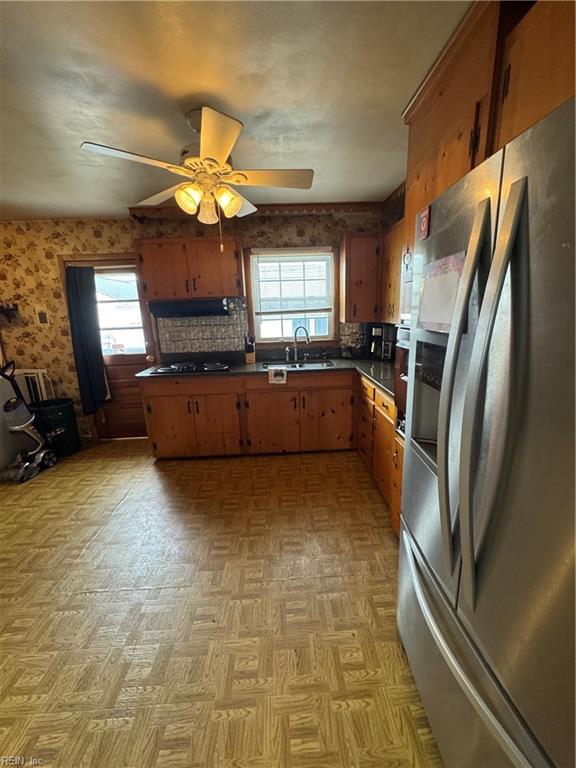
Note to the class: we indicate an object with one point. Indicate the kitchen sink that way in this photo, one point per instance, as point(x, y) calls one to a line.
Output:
point(309, 365)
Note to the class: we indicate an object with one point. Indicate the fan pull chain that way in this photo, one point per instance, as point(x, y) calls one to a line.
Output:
point(220, 229)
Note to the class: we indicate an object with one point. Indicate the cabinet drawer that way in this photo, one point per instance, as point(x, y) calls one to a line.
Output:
point(386, 404)
point(367, 388)
point(190, 385)
point(297, 380)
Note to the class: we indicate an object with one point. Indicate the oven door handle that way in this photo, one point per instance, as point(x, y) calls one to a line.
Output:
point(477, 241)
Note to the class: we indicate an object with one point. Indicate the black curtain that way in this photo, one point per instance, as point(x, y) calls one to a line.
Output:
point(83, 312)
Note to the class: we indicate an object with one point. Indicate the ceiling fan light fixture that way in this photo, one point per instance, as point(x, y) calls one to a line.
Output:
point(229, 202)
point(188, 197)
point(208, 213)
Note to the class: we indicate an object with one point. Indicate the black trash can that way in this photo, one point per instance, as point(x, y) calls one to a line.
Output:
point(56, 420)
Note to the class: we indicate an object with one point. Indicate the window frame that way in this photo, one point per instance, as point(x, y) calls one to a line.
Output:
point(123, 269)
point(329, 250)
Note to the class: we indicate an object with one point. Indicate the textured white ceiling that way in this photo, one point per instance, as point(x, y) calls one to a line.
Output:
point(318, 85)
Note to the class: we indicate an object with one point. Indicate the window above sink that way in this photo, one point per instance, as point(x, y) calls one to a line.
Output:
point(292, 287)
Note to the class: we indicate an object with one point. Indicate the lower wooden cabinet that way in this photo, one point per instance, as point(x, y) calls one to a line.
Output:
point(204, 425)
point(395, 502)
point(217, 423)
point(365, 429)
point(227, 416)
point(170, 424)
point(384, 431)
point(380, 446)
point(272, 422)
point(326, 420)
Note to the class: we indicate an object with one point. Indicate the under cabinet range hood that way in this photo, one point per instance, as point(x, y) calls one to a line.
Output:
point(184, 308)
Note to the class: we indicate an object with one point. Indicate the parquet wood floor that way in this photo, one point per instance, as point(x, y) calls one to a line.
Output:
point(223, 613)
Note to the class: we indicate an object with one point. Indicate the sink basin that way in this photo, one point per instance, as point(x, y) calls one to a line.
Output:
point(309, 365)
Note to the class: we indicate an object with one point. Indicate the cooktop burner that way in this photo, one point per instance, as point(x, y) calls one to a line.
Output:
point(176, 368)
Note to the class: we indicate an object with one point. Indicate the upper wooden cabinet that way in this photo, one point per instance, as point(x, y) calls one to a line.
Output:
point(394, 245)
point(359, 277)
point(163, 270)
point(448, 116)
point(537, 70)
point(507, 66)
point(188, 268)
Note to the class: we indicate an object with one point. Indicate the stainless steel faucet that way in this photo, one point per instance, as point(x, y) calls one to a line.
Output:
point(300, 327)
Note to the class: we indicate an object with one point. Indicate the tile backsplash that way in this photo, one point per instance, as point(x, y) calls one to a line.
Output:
point(191, 335)
point(224, 333)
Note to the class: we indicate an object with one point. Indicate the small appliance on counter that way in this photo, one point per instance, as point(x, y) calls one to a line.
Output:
point(401, 374)
point(382, 341)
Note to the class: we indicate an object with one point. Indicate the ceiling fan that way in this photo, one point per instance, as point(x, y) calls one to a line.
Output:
point(210, 176)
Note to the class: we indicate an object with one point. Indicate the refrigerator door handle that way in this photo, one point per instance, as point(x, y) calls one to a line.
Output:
point(471, 421)
point(515, 755)
point(459, 316)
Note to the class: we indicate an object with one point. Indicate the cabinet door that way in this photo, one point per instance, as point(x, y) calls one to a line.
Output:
point(273, 422)
point(164, 270)
point(212, 273)
point(394, 246)
point(395, 503)
point(326, 420)
point(449, 117)
point(365, 430)
point(217, 422)
point(170, 426)
point(360, 270)
point(538, 68)
point(384, 433)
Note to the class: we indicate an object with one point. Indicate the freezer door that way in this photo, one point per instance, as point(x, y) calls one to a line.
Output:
point(463, 219)
point(516, 480)
point(473, 722)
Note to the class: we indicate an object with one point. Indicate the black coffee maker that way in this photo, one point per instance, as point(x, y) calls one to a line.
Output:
point(382, 341)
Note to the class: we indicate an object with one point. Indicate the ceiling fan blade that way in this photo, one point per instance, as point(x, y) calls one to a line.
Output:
point(159, 197)
point(247, 207)
point(218, 135)
point(101, 149)
point(296, 179)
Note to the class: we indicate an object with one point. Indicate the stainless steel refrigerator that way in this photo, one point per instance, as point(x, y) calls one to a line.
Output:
point(486, 583)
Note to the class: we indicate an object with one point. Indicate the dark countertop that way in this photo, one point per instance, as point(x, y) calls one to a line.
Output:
point(382, 374)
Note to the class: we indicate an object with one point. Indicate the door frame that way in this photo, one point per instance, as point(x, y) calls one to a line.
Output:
point(114, 260)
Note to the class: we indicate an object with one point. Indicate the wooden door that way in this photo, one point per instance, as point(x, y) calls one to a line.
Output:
point(365, 429)
point(384, 433)
point(170, 424)
point(121, 415)
point(394, 246)
point(360, 271)
point(326, 420)
point(164, 270)
point(212, 273)
point(538, 68)
point(273, 422)
point(395, 503)
point(217, 424)
point(126, 338)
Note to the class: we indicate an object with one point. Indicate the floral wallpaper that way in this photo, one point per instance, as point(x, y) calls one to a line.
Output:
point(30, 271)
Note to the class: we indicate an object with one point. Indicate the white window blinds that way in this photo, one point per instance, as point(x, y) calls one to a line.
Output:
point(291, 288)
